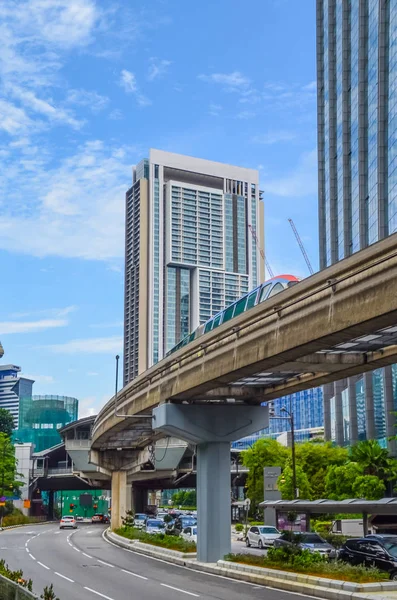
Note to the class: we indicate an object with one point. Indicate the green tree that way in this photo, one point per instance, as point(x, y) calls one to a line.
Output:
point(264, 453)
point(369, 487)
point(315, 458)
point(286, 487)
point(6, 422)
point(190, 498)
point(374, 459)
point(340, 479)
point(9, 484)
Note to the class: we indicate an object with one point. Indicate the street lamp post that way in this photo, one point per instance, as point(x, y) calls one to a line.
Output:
point(291, 418)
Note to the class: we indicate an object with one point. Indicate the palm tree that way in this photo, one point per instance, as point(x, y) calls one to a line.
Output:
point(374, 459)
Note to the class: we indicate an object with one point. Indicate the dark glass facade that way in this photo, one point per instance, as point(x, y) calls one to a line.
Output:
point(357, 155)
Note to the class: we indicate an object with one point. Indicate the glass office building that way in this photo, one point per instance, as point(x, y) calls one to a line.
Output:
point(307, 408)
point(190, 250)
point(40, 417)
point(13, 389)
point(357, 154)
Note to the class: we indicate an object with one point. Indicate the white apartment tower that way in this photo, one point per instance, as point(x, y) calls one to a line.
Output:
point(194, 231)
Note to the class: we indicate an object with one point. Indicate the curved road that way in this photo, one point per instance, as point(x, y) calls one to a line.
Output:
point(83, 566)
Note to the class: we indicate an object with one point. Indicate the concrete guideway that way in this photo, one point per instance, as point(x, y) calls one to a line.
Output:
point(82, 566)
point(329, 326)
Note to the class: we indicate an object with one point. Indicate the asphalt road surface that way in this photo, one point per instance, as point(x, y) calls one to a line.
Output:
point(83, 566)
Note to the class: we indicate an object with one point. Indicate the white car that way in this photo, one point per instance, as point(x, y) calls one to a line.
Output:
point(154, 526)
point(140, 520)
point(190, 534)
point(68, 522)
point(261, 536)
point(161, 515)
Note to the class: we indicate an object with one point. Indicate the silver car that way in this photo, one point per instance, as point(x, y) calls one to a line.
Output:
point(306, 541)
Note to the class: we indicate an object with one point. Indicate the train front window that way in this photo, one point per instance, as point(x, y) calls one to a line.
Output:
point(264, 292)
point(276, 289)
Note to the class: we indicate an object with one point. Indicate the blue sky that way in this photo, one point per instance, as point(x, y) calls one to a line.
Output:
point(86, 88)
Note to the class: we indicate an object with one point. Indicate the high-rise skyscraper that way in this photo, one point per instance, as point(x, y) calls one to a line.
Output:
point(357, 153)
point(190, 249)
point(13, 389)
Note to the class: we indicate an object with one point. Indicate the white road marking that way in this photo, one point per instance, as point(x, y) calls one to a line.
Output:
point(87, 555)
point(134, 574)
point(98, 593)
point(31, 556)
point(41, 564)
point(74, 548)
point(105, 563)
point(57, 532)
point(64, 577)
point(179, 590)
point(27, 549)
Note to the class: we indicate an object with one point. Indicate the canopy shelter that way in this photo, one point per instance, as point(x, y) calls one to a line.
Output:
point(384, 506)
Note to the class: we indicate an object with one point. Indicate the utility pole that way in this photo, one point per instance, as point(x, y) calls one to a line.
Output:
point(291, 418)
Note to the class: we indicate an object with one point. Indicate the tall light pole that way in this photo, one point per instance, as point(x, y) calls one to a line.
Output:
point(291, 418)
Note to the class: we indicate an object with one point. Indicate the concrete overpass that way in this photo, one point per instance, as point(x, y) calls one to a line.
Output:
point(335, 324)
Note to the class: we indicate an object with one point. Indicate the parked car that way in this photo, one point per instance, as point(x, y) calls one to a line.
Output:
point(307, 541)
point(100, 518)
point(372, 551)
point(80, 518)
point(68, 521)
point(190, 533)
point(261, 536)
point(140, 520)
point(154, 526)
point(161, 515)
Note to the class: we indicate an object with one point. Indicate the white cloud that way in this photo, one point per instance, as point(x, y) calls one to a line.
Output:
point(76, 209)
point(13, 119)
point(47, 312)
point(104, 345)
point(128, 82)
point(91, 99)
point(301, 181)
point(116, 115)
point(234, 80)
point(7, 327)
point(274, 137)
point(43, 379)
point(92, 374)
point(157, 68)
point(35, 104)
point(246, 114)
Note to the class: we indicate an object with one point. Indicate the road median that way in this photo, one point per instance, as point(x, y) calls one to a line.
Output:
point(319, 587)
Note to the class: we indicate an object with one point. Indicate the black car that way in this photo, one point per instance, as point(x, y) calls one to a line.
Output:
point(373, 551)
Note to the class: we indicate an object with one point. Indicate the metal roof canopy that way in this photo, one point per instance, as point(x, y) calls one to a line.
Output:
point(384, 506)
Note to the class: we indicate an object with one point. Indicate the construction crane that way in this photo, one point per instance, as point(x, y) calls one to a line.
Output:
point(301, 246)
point(268, 267)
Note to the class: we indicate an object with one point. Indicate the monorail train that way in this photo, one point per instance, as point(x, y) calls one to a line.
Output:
point(261, 293)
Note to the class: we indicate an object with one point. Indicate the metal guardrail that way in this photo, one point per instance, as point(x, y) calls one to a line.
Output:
point(9, 590)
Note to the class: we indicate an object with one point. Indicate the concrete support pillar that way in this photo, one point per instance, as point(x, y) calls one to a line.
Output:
point(213, 500)
point(353, 428)
point(339, 433)
point(121, 498)
point(51, 505)
point(328, 392)
point(212, 428)
point(369, 406)
point(391, 430)
point(139, 499)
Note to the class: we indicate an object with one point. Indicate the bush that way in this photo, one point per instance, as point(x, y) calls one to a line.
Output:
point(310, 563)
point(16, 576)
point(163, 540)
point(335, 539)
point(252, 523)
point(239, 527)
